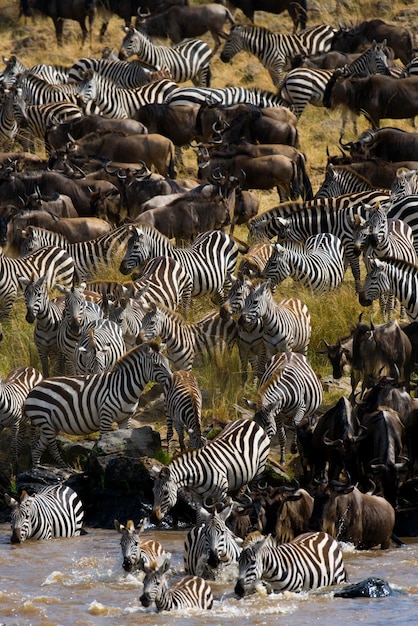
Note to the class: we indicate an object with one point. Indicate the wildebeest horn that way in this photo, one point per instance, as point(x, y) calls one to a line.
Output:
point(143, 15)
point(345, 146)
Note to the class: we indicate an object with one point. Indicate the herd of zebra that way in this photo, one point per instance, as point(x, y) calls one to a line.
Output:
point(98, 341)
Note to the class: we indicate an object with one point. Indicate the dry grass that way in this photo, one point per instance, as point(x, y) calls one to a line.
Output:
point(332, 316)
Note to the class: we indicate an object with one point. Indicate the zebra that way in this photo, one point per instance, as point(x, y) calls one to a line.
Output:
point(9, 127)
point(340, 180)
point(187, 60)
point(275, 49)
point(234, 458)
point(184, 340)
point(54, 74)
point(211, 549)
point(387, 276)
point(90, 257)
point(35, 90)
point(134, 551)
point(48, 315)
point(126, 74)
point(320, 267)
point(54, 511)
point(285, 325)
point(405, 209)
point(405, 184)
point(100, 345)
point(210, 261)
point(118, 102)
point(187, 592)
point(13, 391)
point(288, 388)
point(77, 315)
point(183, 409)
point(53, 262)
point(85, 404)
point(127, 314)
point(310, 561)
point(304, 85)
point(298, 221)
point(226, 96)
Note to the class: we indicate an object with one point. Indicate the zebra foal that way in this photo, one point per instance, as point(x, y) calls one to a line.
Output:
point(135, 552)
point(55, 511)
point(310, 561)
point(183, 409)
point(80, 405)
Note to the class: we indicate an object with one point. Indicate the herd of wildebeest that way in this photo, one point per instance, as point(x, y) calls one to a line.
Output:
point(114, 132)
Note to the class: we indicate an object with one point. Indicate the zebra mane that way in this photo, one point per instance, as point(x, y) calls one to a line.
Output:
point(119, 364)
point(347, 168)
point(400, 263)
point(150, 231)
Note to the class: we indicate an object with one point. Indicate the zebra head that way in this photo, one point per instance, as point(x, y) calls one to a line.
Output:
point(378, 226)
point(360, 229)
point(165, 494)
point(250, 563)
point(75, 306)
point(265, 416)
point(89, 86)
point(376, 283)
point(277, 268)
point(137, 251)
point(130, 543)
point(132, 43)
point(21, 519)
point(155, 582)
point(151, 322)
point(255, 304)
point(234, 43)
point(36, 294)
point(221, 545)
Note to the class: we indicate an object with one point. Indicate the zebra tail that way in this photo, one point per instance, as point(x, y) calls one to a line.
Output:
point(243, 247)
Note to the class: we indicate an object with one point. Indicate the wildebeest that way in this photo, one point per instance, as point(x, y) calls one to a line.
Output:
point(377, 96)
point(297, 9)
point(78, 10)
point(181, 22)
point(387, 144)
point(285, 512)
point(152, 149)
point(353, 39)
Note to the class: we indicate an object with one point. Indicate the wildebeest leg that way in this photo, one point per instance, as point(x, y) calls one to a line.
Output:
point(59, 24)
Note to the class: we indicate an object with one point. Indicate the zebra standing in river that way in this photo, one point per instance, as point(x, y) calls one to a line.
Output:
point(234, 458)
point(210, 261)
point(187, 60)
point(119, 102)
point(54, 511)
point(275, 49)
point(183, 409)
point(85, 404)
point(187, 592)
point(13, 392)
point(320, 267)
point(288, 388)
point(310, 561)
point(135, 551)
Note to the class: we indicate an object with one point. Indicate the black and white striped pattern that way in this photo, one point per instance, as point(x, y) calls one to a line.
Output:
point(184, 340)
point(128, 314)
point(394, 277)
point(226, 96)
point(13, 392)
point(188, 60)
point(310, 561)
point(405, 209)
point(9, 126)
point(53, 74)
point(186, 593)
point(90, 257)
point(340, 180)
point(320, 267)
point(405, 183)
point(47, 314)
point(35, 90)
point(275, 49)
point(210, 548)
point(126, 74)
point(55, 511)
point(86, 404)
point(288, 391)
point(119, 102)
point(100, 345)
point(183, 409)
point(210, 260)
point(234, 458)
point(286, 325)
point(52, 262)
point(135, 550)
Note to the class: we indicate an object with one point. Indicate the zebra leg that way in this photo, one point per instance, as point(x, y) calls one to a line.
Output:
point(281, 431)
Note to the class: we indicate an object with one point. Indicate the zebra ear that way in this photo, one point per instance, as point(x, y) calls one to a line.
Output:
point(118, 526)
point(10, 501)
point(142, 525)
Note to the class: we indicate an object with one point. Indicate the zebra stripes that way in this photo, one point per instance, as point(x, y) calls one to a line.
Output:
point(320, 267)
point(9, 126)
point(86, 404)
point(290, 389)
point(187, 60)
point(187, 592)
point(90, 257)
point(35, 90)
point(119, 102)
point(183, 409)
point(275, 49)
point(126, 74)
point(13, 392)
point(234, 458)
point(55, 511)
point(53, 262)
point(310, 561)
point(405, 184)
point(210, 260)
point(340, 180)
point(136, 552)
point(226, 96)
point(210, 548)
point(395, 277)
point(100, 345)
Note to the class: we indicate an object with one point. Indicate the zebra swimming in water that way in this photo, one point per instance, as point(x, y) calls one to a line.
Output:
point(54, 511)
point(135, 551)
